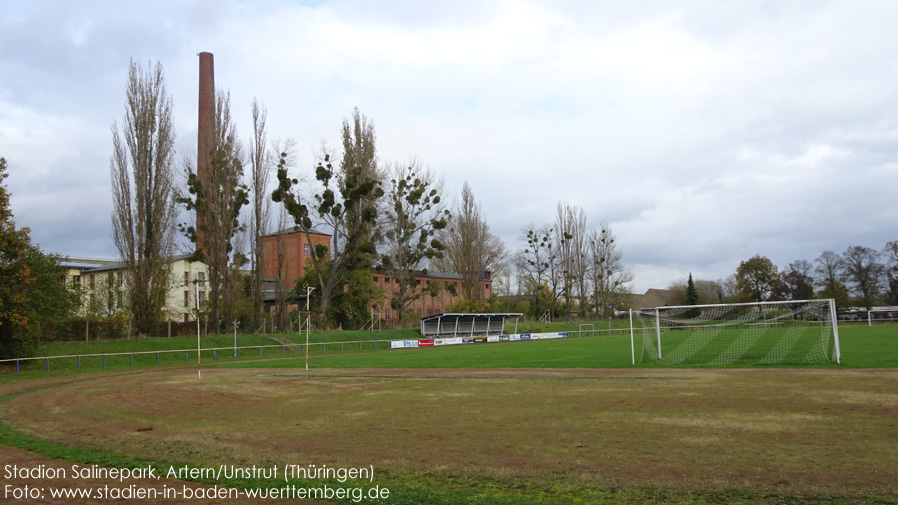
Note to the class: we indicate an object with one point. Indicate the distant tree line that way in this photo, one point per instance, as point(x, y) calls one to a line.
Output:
point(860, 276)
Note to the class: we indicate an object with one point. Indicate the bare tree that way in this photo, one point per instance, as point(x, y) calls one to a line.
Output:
point(471, 249)
point(538, 267)
point(829, 270)
point(610, 280)
point(865, 273)
point(891, 252)
point(570, 235)
point(259, 176)
point(144, 211)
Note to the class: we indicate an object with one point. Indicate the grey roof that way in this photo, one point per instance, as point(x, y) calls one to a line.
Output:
point(91, 266)
point(296, 229)
point(420, 273)
point(473, 314)
point(441, 275)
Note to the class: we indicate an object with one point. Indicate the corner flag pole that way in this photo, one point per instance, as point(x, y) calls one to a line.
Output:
point(308, 323)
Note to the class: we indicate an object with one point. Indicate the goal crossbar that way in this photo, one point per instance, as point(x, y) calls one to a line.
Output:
point(743, 304)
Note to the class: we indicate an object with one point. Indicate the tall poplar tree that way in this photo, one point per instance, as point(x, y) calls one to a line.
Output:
point(261, 204)
point(144, 211)
point(218, 198)
point(471, 249)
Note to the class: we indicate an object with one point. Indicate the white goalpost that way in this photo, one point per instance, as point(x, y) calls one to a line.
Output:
point(890, 311)
point(787, 332)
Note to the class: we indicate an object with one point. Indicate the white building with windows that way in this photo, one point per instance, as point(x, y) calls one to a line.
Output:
point(101, 284)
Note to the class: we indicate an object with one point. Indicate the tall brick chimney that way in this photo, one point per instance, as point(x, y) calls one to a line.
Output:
point(205, 131)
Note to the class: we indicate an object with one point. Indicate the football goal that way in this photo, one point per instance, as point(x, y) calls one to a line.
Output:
point(792, 332)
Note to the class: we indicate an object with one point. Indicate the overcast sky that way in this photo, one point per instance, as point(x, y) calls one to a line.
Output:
point(703, 132)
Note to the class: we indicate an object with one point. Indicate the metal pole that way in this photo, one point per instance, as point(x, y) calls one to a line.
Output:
point(658, 331)
point(632, 347)
point(835, 319)
point(199, 373)
point(308, 324)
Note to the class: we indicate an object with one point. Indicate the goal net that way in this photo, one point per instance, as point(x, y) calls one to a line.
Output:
point(793, 332)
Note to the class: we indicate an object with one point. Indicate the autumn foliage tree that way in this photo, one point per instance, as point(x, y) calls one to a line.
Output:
point(756, 277)
point(30, 292)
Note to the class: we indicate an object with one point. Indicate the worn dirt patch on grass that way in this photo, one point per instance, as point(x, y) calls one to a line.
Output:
point(785, 431)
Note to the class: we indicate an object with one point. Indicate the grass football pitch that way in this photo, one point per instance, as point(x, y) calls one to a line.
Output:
point(563, 421)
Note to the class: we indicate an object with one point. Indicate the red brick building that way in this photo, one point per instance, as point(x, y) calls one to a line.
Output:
point(431, 302)
point(296, 250)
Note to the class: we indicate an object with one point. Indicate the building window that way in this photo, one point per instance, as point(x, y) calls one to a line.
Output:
point(187, 298)
point(202, 296)
point(305, 249)
point(201, 278)
point(186, 278)
point(387, 314)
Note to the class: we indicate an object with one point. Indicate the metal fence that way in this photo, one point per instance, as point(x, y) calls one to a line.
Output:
point(251, 351)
